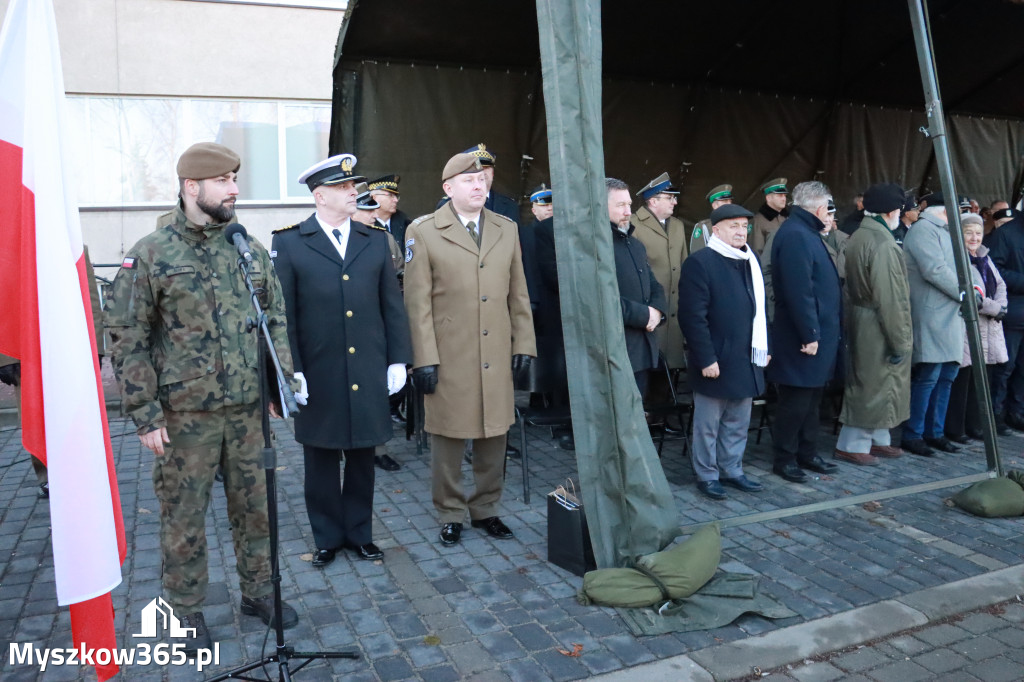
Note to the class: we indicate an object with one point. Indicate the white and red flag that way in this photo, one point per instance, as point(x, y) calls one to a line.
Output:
point(46, 322)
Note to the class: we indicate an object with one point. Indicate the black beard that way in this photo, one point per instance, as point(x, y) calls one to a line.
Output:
point(219, 212)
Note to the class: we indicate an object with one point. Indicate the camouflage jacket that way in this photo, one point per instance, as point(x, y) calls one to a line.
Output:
point(177, 315)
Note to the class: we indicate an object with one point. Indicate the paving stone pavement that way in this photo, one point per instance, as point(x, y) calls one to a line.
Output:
point(984, 645)
point(496, 610)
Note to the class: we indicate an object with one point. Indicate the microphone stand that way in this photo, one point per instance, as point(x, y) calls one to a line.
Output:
point(265, 344)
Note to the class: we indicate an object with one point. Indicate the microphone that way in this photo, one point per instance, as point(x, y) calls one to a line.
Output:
point(236, 234)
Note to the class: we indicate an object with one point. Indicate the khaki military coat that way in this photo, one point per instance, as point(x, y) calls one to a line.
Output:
point(763, 227)
point(666, 251)
point(469, 313)
point(878, 327)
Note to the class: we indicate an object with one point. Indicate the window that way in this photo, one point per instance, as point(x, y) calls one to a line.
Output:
point(127, 148)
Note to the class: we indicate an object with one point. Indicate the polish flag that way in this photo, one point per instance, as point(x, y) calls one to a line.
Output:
point(46, 322)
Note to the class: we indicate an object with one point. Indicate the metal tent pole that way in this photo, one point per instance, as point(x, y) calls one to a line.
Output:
point(936, 131)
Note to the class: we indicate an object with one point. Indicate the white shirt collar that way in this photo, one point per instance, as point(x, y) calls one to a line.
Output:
point(345, 229)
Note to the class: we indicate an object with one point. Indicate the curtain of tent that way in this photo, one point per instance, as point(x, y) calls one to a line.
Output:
point(629, 505)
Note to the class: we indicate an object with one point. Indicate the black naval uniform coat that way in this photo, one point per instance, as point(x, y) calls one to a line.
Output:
point(346, 324)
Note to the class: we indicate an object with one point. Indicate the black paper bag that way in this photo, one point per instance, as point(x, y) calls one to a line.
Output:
point(568, 536)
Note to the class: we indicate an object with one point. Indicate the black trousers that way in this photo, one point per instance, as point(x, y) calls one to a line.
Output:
point(963, 413)
point(796, 425)
point(339, 514)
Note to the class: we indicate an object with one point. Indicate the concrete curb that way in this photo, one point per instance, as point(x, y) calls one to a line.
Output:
point(816, 637)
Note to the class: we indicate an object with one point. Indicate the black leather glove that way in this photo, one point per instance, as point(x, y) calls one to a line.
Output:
point(520, 368)
point(425, 379)
point(1000, 315)
point(895, 359)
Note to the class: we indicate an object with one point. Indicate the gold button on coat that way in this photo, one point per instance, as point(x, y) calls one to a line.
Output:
point(348, 313)
point(355, 387)
point(352, 349)
point(345, 277)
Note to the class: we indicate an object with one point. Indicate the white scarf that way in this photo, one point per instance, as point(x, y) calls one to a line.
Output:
point(759, 337)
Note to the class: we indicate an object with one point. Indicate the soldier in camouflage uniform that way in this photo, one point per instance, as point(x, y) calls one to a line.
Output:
point(187, 368)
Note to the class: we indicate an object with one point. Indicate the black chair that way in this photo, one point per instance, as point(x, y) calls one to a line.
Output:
point(545, 417)
point(769, 397)
point(673, 407)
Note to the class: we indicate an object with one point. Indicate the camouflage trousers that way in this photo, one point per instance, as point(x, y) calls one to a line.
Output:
point(183, 479)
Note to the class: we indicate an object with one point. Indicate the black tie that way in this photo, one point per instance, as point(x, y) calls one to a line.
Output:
point(337, 235)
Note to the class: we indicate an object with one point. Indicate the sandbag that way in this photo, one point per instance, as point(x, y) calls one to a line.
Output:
point(992, 498)
point(685, 568)
point(675, 573)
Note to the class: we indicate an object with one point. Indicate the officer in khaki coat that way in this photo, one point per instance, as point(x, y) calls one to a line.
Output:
point(771, 214)
point(469, 315)
point(664, 237)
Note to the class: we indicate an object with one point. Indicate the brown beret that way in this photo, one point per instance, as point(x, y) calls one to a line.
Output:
point(207, 160)
point(459, 164)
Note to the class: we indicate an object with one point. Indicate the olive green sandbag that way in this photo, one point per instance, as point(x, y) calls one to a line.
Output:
point(994, 497)
point(686, 568)
point(682, 570)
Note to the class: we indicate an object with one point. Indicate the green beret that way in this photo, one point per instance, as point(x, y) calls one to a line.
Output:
point(459, 164)
point(207, 160)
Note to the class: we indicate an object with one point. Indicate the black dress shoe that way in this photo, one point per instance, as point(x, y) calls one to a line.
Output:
point(817, 464)
point(712, 489)
point(917, 446)
point(493, 526)
point(451, 533)
point(944, 444)
point(791, 472)
point(513, 452)
point(44, 491)
point(368, 551)
point(567, 443)
point(743, 483)
point(386, 463)
point(975, 435)
point(1014, 422)
point(264, 609)
point(323, 557)
point(962, 439)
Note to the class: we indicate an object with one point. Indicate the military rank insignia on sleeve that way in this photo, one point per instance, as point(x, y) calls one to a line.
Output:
point(408, 254)
point(128, 263)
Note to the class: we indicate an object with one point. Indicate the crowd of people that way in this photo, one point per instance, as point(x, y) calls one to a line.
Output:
point(459, 302)
point(790, 300)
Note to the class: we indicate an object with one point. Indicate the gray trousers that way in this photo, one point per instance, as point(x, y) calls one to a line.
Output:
point(719, 436)
point(856, 439)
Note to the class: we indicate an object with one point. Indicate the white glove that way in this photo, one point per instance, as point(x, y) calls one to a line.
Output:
point(396, 378)
point(301, 395)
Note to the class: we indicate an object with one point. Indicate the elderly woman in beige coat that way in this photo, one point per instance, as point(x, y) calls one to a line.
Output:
point(963, 418)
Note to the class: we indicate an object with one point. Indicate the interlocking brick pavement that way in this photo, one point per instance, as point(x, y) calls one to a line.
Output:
point(496, 609)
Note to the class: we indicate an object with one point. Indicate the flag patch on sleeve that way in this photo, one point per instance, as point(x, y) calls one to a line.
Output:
point(128, 263)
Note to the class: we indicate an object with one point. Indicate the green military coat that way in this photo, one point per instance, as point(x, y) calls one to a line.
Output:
point(469, 313)
point(878, 327)
point(666, 251)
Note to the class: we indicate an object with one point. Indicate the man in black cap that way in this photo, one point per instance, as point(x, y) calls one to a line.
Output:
point(938, 328)
point(349, 336)
point(879, 332)
point(729, 343)
point(642, 298)
point(384, 191)
point(771, 214)
point(720, 195)
point(908, 216)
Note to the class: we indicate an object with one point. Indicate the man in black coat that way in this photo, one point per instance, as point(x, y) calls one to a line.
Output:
point(805, 331)
point(385, 191)
point(349, 337)
point(1006, 249)
point(724, 322)
point(641, 296)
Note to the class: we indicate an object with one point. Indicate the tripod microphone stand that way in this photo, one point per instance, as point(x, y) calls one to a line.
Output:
point(284, 653)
